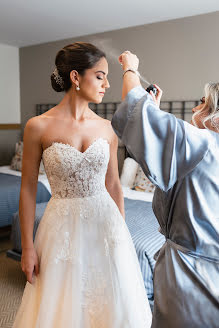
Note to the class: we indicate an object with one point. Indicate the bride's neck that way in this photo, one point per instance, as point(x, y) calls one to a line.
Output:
point(75, 105)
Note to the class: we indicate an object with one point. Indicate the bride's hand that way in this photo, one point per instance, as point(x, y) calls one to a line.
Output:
point(30, 263)
point(129, 60)
point(158, 96)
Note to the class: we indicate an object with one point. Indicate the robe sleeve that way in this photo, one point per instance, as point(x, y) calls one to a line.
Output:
point(166, 148)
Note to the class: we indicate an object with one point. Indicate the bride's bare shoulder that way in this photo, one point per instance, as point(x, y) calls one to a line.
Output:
point(103, 122)
point(37, 125)
point(107, 129)
point(108, 125)
point(41, 121)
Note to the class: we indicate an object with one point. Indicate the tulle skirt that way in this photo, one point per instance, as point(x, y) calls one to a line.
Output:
point(89, 272)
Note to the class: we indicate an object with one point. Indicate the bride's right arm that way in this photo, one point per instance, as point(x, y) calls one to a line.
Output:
point(32, 152)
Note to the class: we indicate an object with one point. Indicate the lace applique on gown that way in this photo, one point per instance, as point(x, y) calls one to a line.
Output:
point(89, 272)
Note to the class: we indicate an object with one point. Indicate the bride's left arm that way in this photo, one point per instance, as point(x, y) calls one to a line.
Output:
point(112, 176)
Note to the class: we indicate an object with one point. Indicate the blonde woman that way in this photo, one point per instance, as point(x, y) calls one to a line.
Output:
point(182, 160)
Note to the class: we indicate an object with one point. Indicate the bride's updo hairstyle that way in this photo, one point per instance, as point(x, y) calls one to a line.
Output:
point(77, 56)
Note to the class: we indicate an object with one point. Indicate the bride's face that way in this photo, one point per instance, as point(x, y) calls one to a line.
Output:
point(94, 82)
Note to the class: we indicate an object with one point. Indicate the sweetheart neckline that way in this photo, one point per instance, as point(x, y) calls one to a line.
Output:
point(68, 145)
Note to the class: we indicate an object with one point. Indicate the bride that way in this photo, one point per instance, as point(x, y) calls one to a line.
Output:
point(82, 270)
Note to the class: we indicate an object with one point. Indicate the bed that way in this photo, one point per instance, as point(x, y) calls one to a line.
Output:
point(10, 181)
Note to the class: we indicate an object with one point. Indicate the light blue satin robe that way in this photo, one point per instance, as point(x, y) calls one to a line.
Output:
point(183, 162)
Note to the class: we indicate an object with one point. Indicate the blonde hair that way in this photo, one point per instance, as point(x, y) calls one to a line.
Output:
point(211, 106)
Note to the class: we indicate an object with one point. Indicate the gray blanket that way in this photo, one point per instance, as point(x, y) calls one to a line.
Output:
point(9, 196)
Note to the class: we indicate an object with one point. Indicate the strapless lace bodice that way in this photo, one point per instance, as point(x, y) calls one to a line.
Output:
point(72, 173)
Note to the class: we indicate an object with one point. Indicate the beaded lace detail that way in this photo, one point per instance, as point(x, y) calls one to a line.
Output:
point(72, 173)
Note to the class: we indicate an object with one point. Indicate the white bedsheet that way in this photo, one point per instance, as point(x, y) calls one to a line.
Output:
point(42, 177)
point(139, 195)
point(127, 192)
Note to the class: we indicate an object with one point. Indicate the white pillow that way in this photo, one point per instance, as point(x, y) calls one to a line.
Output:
point(16, 163)
point(142, 183)
point(129, 171)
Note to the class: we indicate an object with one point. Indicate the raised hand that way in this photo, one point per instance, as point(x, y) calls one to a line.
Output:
point(129, 60)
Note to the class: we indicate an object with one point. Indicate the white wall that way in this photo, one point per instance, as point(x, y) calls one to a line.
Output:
point(9, 85)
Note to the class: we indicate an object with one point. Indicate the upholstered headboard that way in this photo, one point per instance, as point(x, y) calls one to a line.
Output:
point(180, 108)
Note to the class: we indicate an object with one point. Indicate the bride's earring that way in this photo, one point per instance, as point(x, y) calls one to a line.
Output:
point(77, 88)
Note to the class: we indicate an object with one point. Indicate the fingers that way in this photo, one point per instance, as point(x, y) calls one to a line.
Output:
point(120, 59)
point(160, 92)
point(29, 275)
point(157, 86)
point(123, 54)
point(153, 96)
point(30, 266)
point(156, 98)
point(36, 269)
point(128, 59)
point(127, 53)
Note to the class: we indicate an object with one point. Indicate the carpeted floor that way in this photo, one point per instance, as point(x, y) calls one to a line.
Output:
point(12, 282)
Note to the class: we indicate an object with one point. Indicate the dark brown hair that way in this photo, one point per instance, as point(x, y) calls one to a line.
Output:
point(77, 56)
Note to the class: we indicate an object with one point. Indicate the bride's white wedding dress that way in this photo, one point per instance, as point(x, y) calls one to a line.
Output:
point(89, 271)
